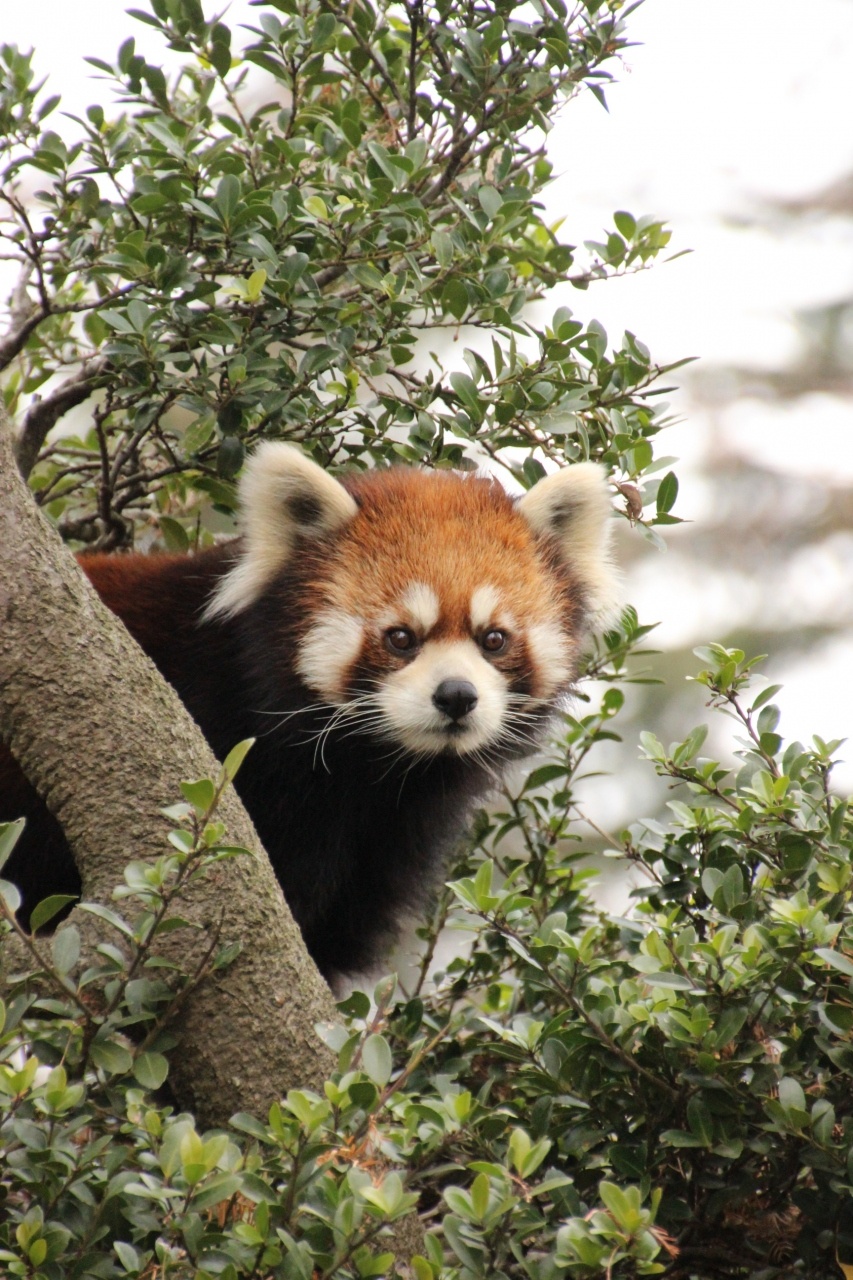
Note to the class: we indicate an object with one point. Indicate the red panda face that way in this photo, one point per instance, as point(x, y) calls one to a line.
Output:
point(435, 613)
point(436, 620)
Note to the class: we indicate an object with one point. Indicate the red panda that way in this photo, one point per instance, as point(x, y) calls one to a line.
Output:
point(391, 640)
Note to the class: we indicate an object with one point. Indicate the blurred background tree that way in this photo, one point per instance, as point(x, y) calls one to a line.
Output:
point(737, 145)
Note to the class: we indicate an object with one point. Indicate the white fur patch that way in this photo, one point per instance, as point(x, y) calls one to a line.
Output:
point(411, 717)
point(283, 495)
point(551, 655)
point(484, 606)
point(486, 610)
point(328, 652)
point(421, 605)
point(573, 507)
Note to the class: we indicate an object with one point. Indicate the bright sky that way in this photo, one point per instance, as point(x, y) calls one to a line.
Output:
point(722, 108)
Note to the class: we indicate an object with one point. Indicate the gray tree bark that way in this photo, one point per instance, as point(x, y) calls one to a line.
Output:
point(106, 741)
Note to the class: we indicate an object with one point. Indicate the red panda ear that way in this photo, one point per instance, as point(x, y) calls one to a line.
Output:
point(572, 507)
point(283, 496)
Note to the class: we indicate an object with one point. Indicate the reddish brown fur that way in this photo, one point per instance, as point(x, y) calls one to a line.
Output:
point(455, 534)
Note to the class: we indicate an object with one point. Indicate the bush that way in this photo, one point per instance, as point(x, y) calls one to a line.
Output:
point(213, 268)
point(579, 1094)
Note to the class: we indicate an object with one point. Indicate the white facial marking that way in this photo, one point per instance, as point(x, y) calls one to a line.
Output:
point(484, 606)
point(551, 653)
point(421, 604)
point(412, 718)
point(328, 651)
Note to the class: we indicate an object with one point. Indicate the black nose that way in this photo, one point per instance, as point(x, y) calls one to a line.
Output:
point(455, 698)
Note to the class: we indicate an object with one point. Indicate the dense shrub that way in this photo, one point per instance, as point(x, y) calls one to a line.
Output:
point(666, 1092)
point(209, 267)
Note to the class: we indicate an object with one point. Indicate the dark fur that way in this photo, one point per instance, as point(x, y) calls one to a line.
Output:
point(353, 832)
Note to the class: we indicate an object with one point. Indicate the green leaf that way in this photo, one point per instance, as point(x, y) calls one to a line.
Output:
point(197, 435)
point(65, 948)
point(150, 1069)
point(255, 284)
point(544, 774)
point(317, 208)
point(491, 200)
point(680, 1138)
point(229, 458)
point(199, 794)
point(11, 895)
point(843, 963)
point(623, 1204)
point(323, 30)
point(127, 1255)
point(228, 195)
point(699, 1119)
point(377, 1060)
point(9, 835)
point(465, 387)
point(728, 1025)
point(667, 979)
point(519, 1147)
point(395, 167)
point(625, 224)
point(216, 1190)
point(106, 914)
point(691, 745)
point(667, 493)
point(454, 298)
point(232, 762)
point(459, 1201)
point(367, 275)
point(765, 696)
point(732, 890)
point(48, 908)
point(791, 1095)
point(651, 746)
point(480, 1196)
point(468, 1252)
point(174, 534)
point(356, 1005)
point(111, 1057)
point(442, 246)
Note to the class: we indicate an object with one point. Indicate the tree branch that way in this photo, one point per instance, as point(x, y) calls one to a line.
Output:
point(43, 415)
point(14, 342)
point(106, 741)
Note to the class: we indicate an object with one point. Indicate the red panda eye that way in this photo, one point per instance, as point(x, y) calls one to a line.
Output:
point(494, 641)
point(400, 640)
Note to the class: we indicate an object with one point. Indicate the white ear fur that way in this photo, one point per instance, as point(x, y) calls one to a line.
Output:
point(283, 495)
point(573, 508)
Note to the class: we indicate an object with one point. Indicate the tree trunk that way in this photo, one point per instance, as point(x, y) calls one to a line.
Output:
point(106, 741)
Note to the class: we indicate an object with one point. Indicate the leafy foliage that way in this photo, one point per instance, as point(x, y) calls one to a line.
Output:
point(208, 268)
point(578, 1095)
